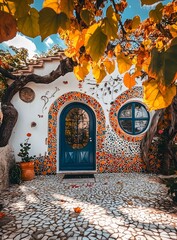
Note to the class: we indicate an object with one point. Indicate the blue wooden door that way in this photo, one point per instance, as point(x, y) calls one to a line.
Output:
point(77, 138)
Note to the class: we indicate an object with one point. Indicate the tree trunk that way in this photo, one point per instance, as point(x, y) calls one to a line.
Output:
point(10, 114)
point(147, 140)
point(169, 161)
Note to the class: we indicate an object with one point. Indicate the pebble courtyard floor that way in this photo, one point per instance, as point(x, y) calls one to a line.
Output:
point(114, 206)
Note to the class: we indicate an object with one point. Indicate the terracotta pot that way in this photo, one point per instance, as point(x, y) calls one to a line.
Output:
point(27, 171)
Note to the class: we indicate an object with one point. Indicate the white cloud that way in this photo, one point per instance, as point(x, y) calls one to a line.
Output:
point(21, 41)
point(49, 42)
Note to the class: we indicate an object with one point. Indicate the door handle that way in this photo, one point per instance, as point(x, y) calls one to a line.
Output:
point(90, 139)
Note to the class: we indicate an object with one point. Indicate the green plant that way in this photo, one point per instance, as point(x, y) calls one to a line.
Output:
point(24, 150)
point(15, 174)
point(172, 188)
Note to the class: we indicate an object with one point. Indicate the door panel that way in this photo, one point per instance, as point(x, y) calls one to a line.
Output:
point(77, 138)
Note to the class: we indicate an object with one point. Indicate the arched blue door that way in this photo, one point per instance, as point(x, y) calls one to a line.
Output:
point(77, 138)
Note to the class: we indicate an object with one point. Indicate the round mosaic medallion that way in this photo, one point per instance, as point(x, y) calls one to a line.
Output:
point(27, 94)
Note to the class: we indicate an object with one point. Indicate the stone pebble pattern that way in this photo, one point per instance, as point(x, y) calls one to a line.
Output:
point(116, 206)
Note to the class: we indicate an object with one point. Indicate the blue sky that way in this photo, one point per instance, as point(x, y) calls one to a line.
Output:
point(37, 46)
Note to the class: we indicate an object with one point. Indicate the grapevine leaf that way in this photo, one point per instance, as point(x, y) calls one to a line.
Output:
point(28, 24)
point(50, 21)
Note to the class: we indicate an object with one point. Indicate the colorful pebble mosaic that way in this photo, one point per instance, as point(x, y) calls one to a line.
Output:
point(115, 150)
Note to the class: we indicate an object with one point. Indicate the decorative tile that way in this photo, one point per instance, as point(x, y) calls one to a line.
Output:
point(116, 151)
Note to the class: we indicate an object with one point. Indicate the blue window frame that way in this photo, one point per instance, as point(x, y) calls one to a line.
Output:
point(133, 118)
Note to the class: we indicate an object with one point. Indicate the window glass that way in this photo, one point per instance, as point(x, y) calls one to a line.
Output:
point(77, 128)
point(133, 118)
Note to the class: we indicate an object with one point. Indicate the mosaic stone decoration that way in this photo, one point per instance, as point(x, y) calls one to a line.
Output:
point(135, 92)
point(53, 115)
point(116, 151)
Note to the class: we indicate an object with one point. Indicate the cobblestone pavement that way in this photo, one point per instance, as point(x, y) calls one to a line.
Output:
point(115, 206)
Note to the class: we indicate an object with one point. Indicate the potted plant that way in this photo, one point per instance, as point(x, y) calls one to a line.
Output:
point(27, 163)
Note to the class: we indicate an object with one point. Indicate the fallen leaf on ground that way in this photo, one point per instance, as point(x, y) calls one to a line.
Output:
point(77, 210)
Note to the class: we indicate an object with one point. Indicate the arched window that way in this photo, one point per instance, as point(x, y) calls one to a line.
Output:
point(133, 118)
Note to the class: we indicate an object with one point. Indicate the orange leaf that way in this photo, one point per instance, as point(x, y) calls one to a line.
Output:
point(77, 210)
point(117, 49)
point(8, 26)
point(129, 80)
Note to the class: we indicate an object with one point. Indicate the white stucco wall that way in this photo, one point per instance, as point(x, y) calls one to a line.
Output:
point(35, 111)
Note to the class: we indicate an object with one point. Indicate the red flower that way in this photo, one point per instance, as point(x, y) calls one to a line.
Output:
point(160, 131)
point(28, 134)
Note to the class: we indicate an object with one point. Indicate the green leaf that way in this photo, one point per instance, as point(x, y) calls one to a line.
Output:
point(96, 44)
point(149, 2)
point(28, 24)
point(86, 16)
point(110, 24)
point(170, 65)
point(164, 64)
point(156, 14)
point(50, 21)
point(156, 61)
point(67, 6)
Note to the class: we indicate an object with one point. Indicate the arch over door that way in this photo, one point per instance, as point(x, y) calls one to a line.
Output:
point(77, 138)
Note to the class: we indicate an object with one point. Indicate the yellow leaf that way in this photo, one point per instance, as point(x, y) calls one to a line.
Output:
point(78, 39)
point(159, 45)
point(95, 42)
point(117, 49)
point(124, 63)
point(145, 65)
point(129, 80)
point(8, 26)
point(70, 52)
point(147, 43)
point(81, 71)
point(99, 73)
point(173, 30)
point(136, 22)
point(10, 7)
point(67, 6)
point(109, 65)
point(54, 4)
point(155, 98)
point(110, 24)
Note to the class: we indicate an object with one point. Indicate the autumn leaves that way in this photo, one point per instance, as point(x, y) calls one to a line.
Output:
point(97, 39)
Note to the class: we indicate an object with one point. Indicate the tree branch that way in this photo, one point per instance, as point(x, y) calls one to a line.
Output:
point(164, 31)
point(10, 114)
point(7, 74)
point(120, 22)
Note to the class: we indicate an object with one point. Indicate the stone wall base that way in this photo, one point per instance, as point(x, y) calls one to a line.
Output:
point(7, 160)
